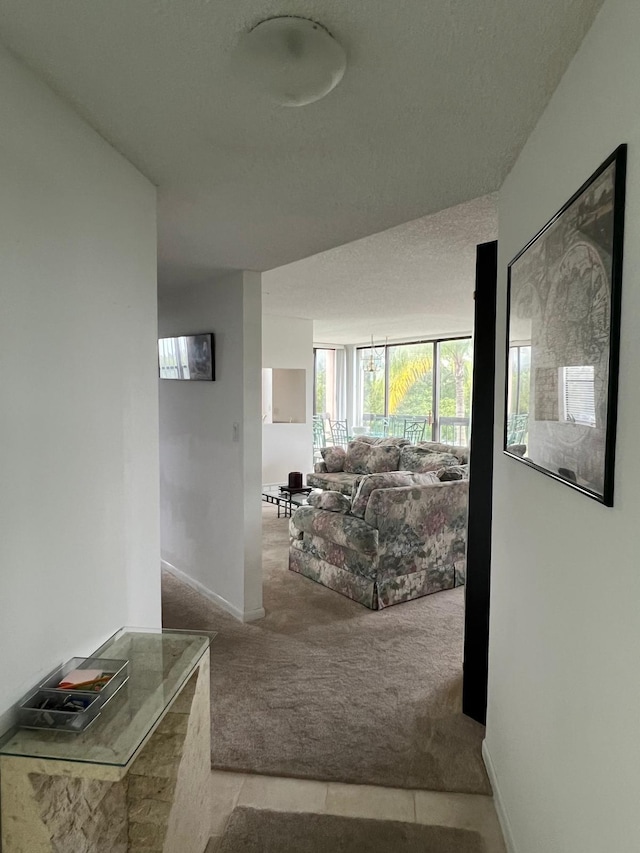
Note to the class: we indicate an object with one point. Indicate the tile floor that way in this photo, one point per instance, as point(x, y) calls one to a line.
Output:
point(466, 811)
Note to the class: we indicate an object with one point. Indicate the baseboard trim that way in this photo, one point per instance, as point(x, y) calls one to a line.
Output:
point(253, 615)
point(503, 818)
point(241, 616)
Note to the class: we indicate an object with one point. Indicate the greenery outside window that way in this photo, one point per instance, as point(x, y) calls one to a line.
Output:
point(324, 382)
point(519, 394)
point(422, 381)
point(519, 378)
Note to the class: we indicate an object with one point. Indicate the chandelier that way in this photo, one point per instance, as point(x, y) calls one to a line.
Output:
point(373, 357)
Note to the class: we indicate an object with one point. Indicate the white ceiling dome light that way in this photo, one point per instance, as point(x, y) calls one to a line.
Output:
point(293, 60)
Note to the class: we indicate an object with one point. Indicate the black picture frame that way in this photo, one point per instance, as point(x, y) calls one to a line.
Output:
point(564, 292)
point(187, 357)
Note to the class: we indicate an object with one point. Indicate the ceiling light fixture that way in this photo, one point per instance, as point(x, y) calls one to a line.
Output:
point(293, 60)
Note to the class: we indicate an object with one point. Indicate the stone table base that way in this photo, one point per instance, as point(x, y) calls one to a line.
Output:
point(159, 803)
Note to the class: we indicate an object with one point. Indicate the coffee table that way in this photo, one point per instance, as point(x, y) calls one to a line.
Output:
point(285, 498)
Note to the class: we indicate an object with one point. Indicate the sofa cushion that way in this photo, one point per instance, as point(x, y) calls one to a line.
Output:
point(392, 440)
point(517, 449)
point(427, 521)
point(454, 472)
point(422, 459)
point(461, 452)
point(333, 459)
point(340, 482)
point(337, 555)
point(344, 530)
point(364, 458)
point(330, 500)
point(386, 481)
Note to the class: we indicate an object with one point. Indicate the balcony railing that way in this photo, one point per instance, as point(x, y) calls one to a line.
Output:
point(449, 430)
point(454, 431)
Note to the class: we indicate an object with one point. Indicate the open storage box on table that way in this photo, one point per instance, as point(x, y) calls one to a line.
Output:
point(58, 713)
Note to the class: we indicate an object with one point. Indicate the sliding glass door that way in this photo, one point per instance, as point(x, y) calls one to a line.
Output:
point(410, 398)
point(420, 390)
point(324, 383)
point(372, 391)
point(455, 373)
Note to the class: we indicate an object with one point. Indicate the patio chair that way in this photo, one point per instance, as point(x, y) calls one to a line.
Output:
point(517, 428)
point(339, 433)
point(319, 439)
point(414, 431)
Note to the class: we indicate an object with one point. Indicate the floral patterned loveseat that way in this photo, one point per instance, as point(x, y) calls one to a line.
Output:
point(402, 535)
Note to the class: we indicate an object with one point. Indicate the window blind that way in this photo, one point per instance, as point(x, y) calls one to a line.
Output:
point(578, 387)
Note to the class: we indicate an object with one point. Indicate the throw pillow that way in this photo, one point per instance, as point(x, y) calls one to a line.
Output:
point(364, 458)
point(334, 459)
point(390, 480)
point(423, 459)
point(333, 501)
point(455, 472)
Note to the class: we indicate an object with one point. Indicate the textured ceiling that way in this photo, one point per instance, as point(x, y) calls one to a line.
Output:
point(437, 99)
point(413, 281)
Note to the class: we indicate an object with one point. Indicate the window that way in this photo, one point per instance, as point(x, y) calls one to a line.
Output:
point(324, 383)
point(519, 394)
point(455, 375)
point(402, 397)
point(519, 379)
point(577, 395)
point(411, 380)
point(174, 358)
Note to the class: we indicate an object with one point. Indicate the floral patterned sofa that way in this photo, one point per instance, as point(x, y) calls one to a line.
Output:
point(399, 536)
point(341, 470)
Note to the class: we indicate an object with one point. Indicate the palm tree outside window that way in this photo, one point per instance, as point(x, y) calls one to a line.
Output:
point(422, 380)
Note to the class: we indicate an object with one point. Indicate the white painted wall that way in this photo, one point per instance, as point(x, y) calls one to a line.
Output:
point(79, 537)
point(209, 482)
point(288, 342)
point(289, 394)
point(564, 691)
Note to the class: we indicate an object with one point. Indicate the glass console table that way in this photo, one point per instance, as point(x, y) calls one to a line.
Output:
point(138, 778)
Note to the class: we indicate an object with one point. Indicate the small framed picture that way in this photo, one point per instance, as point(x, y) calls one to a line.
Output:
point(187, 357)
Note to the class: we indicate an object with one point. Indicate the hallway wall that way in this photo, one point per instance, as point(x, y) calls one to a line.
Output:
point(210, 445)
point(79, 533)
point(287, 342)
point(562, 736)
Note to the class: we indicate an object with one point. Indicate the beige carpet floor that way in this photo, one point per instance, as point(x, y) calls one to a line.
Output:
point(257, 831)
point(324, 688)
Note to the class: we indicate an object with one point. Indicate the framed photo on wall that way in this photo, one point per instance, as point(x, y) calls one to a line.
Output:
point(187, 357)
point(563, 338)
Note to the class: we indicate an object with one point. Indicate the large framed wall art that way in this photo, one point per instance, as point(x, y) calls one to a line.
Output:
point(563, 326)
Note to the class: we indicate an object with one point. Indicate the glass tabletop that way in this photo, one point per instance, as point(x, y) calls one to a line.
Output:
point(296, 498)
point(160, 664)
